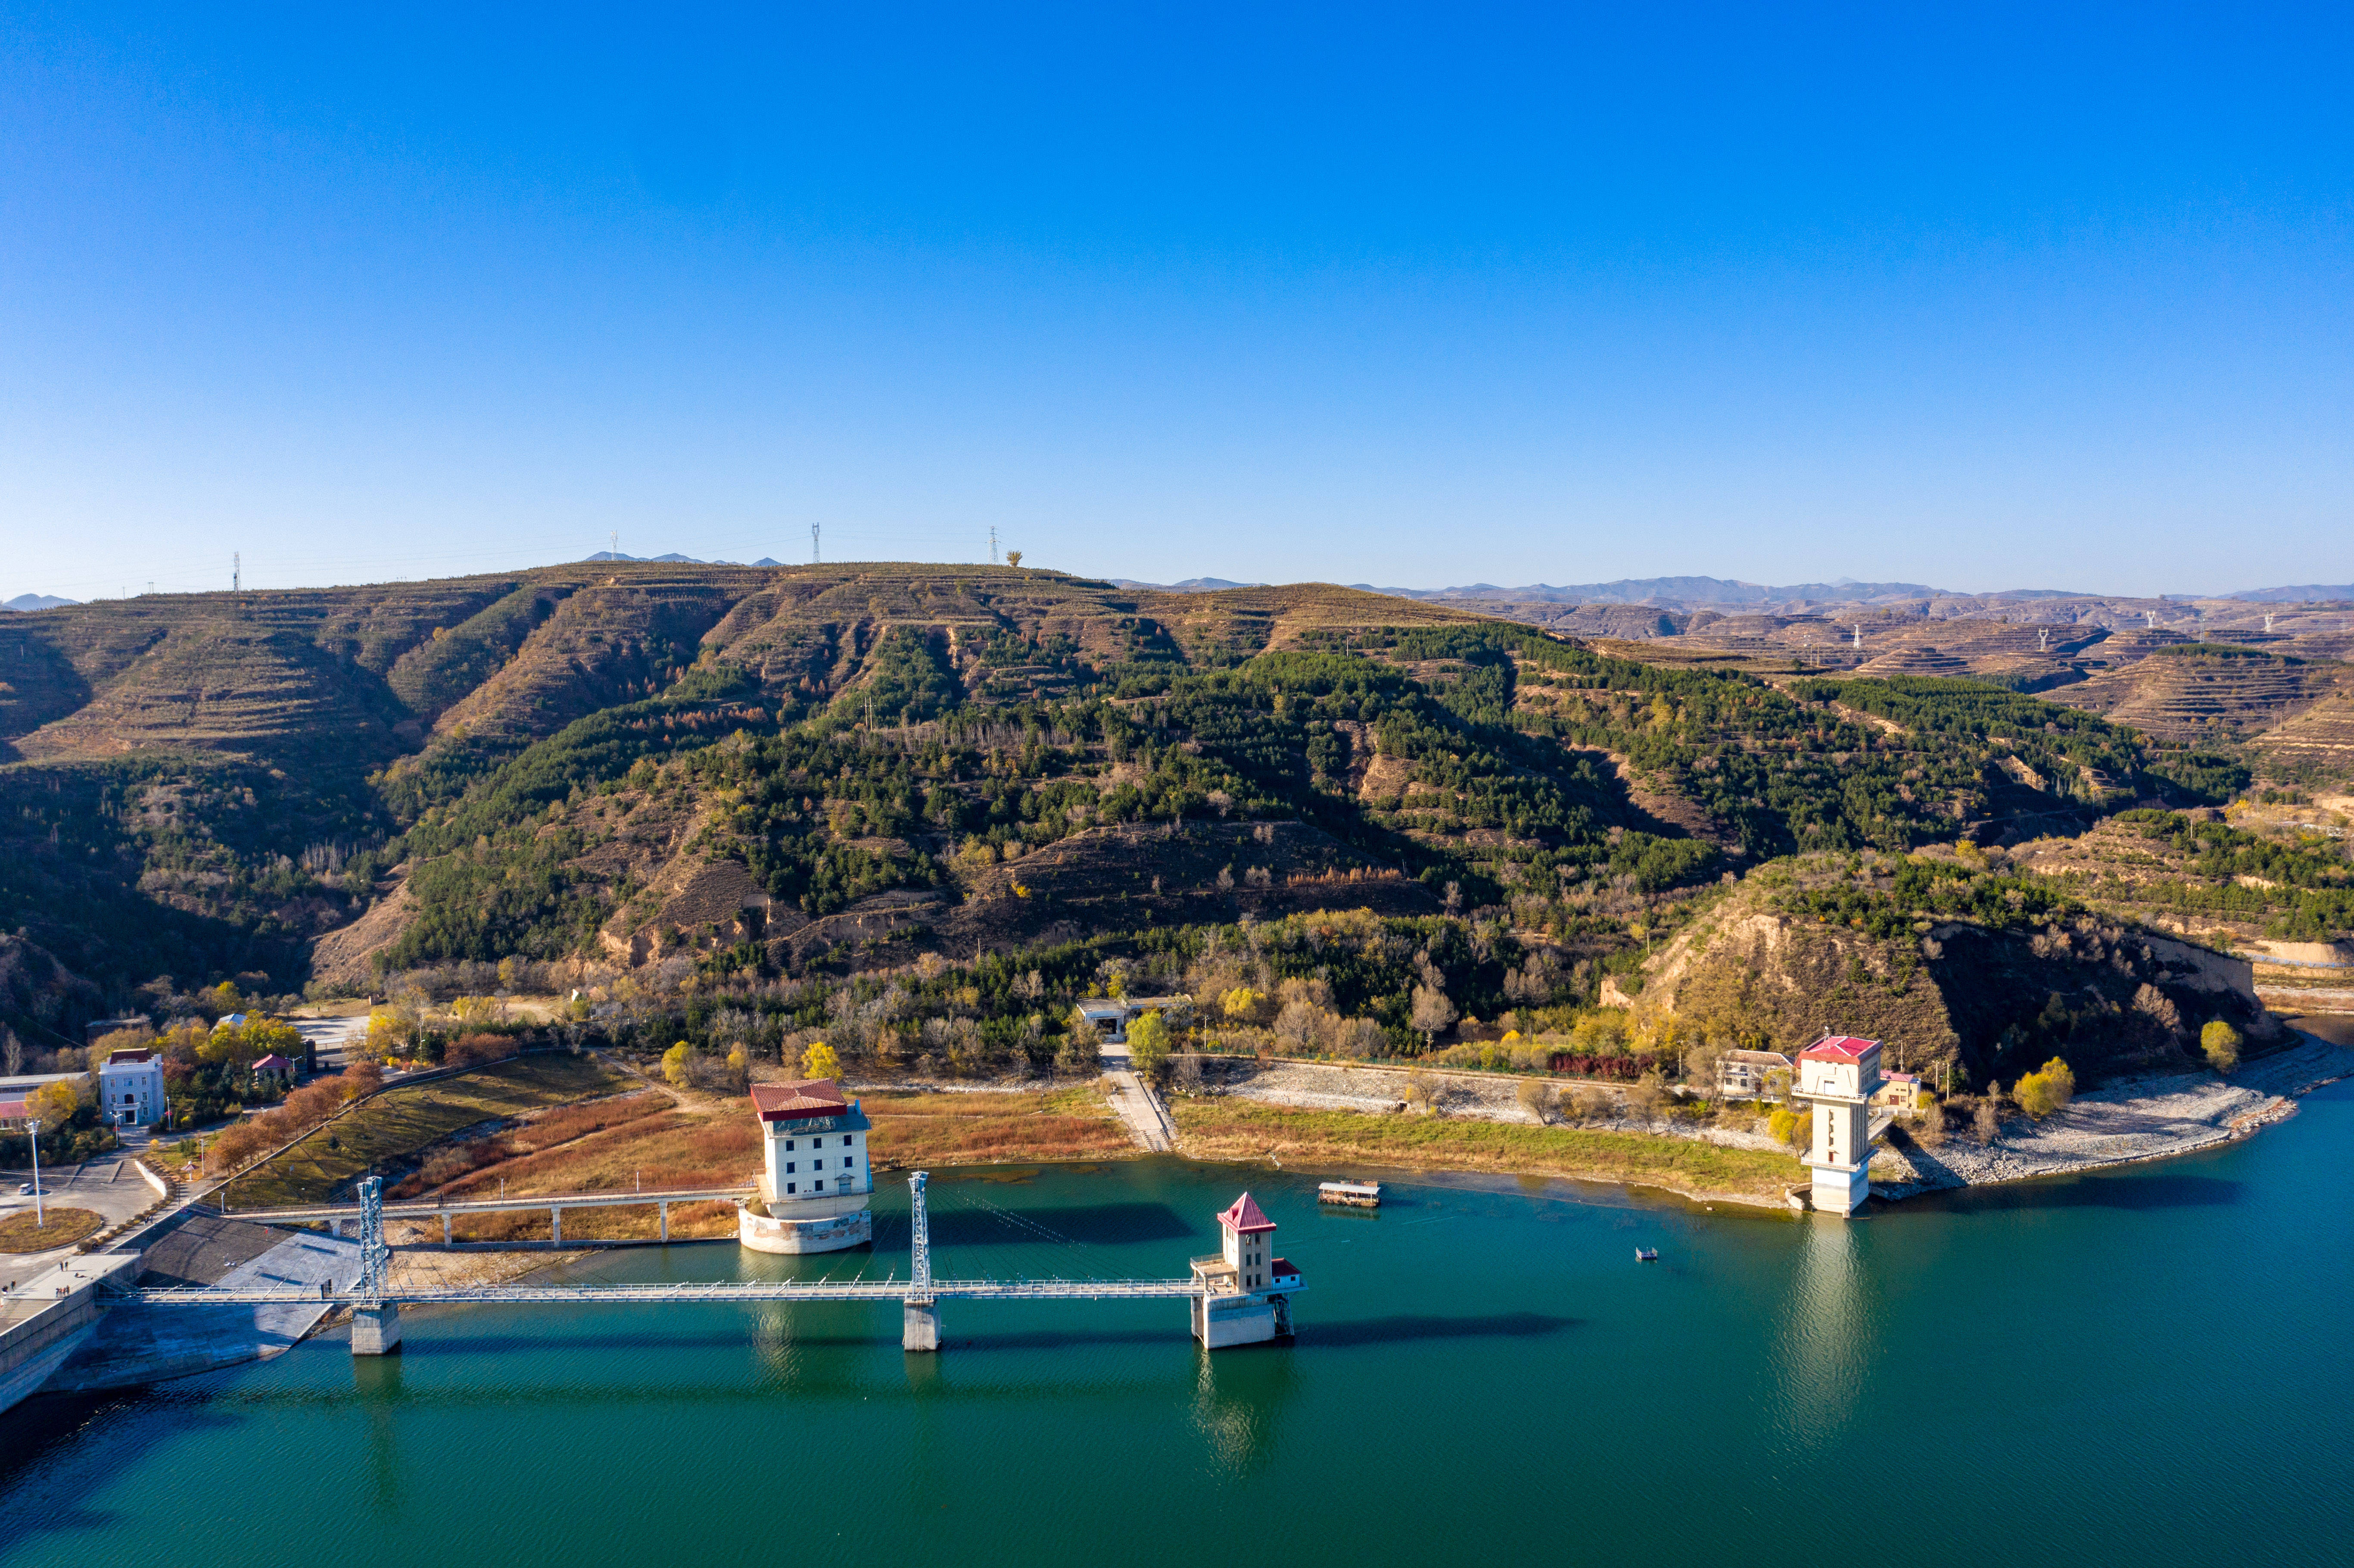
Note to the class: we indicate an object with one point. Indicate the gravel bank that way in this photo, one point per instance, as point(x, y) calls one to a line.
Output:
point(1317, 1085)
point(2148, 1118)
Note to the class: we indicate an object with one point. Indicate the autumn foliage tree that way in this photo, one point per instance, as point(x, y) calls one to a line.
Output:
point(2220, 1042)
point(2046, 1089)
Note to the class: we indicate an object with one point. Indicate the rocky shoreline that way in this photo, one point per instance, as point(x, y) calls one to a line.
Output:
point(2125, 1123)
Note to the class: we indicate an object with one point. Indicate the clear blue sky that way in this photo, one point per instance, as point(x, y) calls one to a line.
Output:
point(1979, 297)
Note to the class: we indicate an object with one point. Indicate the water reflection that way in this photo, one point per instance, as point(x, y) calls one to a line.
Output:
point(1828, 1334)
point(1238, 1392)
point(377, 1381)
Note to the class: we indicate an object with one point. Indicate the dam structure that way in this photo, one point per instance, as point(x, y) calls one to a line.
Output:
point(1244, 1298)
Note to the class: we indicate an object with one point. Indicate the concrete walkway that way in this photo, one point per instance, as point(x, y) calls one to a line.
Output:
point(137, 1344)
point(1146, 1118)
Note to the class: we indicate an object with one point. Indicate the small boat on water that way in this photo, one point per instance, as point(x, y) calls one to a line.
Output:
point(1646, 1254)
point(1356, 1194)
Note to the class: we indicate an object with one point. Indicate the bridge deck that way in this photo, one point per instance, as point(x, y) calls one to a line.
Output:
point(432, 1208)
point(755, 1290)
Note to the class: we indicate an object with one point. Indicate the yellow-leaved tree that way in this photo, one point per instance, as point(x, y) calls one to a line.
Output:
point(2220, 1042)
point(674, 1062)
point(2046, 1090)
point(1149, 1044)
point(820, 1061)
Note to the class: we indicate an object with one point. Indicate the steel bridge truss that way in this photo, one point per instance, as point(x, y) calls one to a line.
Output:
point(374, 1289)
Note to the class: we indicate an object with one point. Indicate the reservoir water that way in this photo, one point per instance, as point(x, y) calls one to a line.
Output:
point(2149, 1366)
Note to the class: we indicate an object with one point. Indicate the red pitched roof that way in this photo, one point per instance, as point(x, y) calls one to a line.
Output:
point(1280, 1267)
point(791, 1102)
point(1247, 1216)
point(11, 1110)
point(272, 1063)
point(1838, 1048)
point(128, 1058)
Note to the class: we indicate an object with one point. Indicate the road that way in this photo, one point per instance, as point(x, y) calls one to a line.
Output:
point(1139, 1109)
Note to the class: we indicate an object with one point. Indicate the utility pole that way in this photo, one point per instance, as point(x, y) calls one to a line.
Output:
point(33, 1125)
point(614, 549)
point(236, 572)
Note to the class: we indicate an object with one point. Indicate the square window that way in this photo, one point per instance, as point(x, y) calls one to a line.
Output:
point(788, 1165)
point(788, 1146)
point(788, 1188)
point(819, 1186)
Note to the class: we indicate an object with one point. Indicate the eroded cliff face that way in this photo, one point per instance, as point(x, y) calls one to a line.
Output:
point(1994, 1003)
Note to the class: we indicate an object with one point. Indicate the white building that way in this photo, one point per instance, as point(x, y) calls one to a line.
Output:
point(1839, 1073)
point(817, 1182)
point(131, 1088)
point(1111, 1017)
point(1247, 1290)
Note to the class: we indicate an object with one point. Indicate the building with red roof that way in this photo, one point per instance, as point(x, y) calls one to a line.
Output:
point(1838, 1074)
point(817, 1182)
point(1246, 1290)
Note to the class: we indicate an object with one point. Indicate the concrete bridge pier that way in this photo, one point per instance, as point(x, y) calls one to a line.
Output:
point(920, 1327)
point(376, 1331)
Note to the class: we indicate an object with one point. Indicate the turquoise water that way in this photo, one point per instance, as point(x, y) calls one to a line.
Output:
point(2148, 1366)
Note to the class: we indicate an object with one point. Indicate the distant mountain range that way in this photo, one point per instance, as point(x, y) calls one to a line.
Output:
point(1190, 585)
point(677, 559)
point(2309, 593)
point(37, 602)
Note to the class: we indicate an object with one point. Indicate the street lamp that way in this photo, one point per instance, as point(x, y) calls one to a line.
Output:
point(40, 1220)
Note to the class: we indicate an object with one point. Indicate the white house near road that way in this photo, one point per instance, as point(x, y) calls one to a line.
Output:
point(131, 1088)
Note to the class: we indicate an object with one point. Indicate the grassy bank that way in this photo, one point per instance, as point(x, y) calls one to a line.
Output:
point(404, 1120)
point(1232, 1128)
point(914, 1129)
point(643, 1140)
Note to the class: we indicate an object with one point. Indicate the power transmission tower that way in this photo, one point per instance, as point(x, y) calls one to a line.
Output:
point(236, 572)
point(992, 543)
point(614, 549)
point(813, 527)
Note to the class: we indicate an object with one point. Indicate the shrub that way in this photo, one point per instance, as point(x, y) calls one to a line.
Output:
point(1787, 1126)
point(2221, 1044)
point(1148, 1045)
point(2042, 1092)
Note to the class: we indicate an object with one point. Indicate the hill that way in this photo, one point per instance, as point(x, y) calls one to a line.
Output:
point(749, 779)
point(1966, 967)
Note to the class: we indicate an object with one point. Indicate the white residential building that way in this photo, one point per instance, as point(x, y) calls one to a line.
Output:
point(131, 1088)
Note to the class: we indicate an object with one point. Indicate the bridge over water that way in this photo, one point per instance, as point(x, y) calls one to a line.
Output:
point(376, 1302)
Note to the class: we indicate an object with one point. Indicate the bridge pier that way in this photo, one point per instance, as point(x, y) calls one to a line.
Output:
point(920, 1326)
point(665, 1221)
point(376, 1331)
point(555, 1225)
point(445, 1227)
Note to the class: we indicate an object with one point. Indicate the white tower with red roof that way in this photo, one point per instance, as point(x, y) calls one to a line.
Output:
point(1246, 1290)
point(1838, 1074)
point(817, 1183)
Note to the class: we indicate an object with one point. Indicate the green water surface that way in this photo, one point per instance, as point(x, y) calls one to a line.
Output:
point(2148, 1366)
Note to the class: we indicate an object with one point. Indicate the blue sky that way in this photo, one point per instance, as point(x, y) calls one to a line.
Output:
point(1978, 297)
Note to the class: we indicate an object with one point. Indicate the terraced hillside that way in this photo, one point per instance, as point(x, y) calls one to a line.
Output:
point(723, 770)
point(2211, 693)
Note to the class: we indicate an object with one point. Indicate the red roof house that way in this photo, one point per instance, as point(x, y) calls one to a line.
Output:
point(792, 1102)
point(1838, 1048)
point(1245, 1216)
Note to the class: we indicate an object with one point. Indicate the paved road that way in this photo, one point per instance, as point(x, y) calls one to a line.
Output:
point(107, 1186)
point(1146, 1120)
